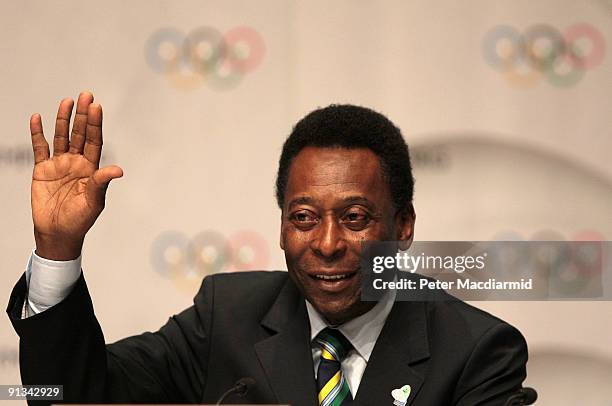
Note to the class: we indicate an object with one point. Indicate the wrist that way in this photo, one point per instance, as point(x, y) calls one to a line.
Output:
point(57, 248)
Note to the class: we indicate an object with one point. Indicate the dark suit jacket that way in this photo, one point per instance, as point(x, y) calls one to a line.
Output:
point(255, 324)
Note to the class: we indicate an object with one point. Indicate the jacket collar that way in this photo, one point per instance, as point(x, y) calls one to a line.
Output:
point(402, 343)
point(286, 356)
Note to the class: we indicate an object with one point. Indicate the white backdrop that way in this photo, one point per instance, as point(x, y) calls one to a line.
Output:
point(496, 149)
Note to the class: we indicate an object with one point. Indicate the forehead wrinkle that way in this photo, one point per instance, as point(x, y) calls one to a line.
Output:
point(335, 183)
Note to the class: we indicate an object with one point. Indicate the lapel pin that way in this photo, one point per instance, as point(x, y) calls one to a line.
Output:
point(401, 395)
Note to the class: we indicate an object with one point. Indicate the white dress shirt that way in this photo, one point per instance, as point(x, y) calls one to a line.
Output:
point(49, 282)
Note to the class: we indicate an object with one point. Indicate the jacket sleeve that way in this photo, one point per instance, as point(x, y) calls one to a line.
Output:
point(64, 345)
point(495, 370)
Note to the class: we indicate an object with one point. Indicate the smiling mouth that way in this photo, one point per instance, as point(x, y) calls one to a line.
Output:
point(333, 277)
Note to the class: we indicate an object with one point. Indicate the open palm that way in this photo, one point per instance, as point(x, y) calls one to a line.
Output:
point(68, 189)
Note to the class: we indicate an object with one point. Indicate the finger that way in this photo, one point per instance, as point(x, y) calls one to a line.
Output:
point(77, 137)
point(39, 143)
point(96, 187)
point(93, 134)
point(106, 174)
point(62, 124)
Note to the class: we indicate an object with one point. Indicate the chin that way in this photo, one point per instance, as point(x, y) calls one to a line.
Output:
point(340, 312)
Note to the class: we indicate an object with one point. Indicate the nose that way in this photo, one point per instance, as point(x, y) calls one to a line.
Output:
point(329, 242)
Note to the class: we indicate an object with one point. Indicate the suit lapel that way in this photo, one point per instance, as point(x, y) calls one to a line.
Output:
point(286, 356)
point(402, 343)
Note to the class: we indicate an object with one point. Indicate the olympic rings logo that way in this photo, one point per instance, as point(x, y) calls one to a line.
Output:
point(205, 56)
point(542, 51)
point(187, 260)
point(574, 267)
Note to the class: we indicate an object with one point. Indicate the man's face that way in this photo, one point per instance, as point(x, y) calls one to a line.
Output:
point(336, 198)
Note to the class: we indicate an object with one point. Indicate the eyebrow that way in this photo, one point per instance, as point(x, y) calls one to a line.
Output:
point(348, 199)
point(301, 200)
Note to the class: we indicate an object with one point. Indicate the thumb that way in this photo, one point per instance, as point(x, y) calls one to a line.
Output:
point(98, 183)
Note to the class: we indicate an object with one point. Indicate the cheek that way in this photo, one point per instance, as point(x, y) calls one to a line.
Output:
point(377, 232)
point(294, 242)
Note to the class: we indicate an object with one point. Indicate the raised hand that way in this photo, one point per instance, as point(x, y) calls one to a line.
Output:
point(68, 189)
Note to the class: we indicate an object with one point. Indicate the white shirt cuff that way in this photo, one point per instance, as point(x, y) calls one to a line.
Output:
point(49, 282)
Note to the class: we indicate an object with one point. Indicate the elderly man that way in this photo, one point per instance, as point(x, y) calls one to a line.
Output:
point(301, 337)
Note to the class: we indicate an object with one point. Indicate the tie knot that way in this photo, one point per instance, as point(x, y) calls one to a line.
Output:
point(334, 345)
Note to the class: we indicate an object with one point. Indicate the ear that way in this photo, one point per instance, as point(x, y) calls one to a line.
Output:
point(405, 226)
point(282, 233)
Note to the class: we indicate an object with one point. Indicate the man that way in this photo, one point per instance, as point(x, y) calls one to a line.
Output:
point(303, 336)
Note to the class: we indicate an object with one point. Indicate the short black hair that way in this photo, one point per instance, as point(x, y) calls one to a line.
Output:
point(350, 126)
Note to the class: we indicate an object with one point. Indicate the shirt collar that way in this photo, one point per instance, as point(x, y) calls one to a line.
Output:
point(362, 331)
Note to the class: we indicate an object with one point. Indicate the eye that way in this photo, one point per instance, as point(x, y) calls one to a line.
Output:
point(354, 216)
point(356, 219)
point(304, 219)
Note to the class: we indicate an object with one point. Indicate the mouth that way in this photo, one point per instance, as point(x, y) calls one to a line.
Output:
point(333, 282)
point(334, 277)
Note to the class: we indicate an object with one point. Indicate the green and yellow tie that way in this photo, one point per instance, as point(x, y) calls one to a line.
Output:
point(332, 386)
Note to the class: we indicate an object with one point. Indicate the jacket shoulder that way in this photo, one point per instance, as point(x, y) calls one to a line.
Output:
point(463, 316)
point(241, 292)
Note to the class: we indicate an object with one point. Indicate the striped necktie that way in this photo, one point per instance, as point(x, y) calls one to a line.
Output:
point(331, 384)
